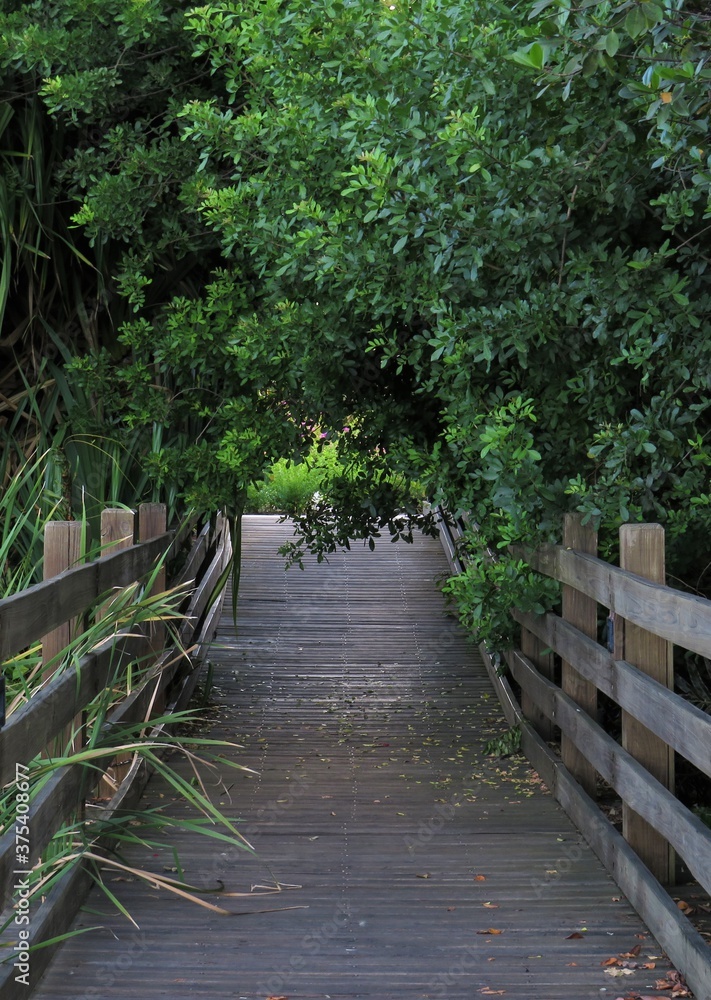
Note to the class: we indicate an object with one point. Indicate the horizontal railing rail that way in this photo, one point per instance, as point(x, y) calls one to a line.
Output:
point(683, 619)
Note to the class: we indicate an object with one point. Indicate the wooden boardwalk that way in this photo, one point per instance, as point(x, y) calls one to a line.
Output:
point(422, 868)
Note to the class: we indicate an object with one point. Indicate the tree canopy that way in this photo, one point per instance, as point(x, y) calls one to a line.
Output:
point(468, 241)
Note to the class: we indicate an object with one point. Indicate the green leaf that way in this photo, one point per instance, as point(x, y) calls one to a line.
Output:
point(635, 22)
point(400, 244)
point(612, 43)
point(532, 56)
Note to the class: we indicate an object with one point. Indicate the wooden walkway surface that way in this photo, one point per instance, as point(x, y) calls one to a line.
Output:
point(422, 868)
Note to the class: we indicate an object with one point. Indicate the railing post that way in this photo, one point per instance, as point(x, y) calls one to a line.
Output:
point(581, 612)
point(62, 551)
point(642, 552)
point(152, 521)
point(117, 532)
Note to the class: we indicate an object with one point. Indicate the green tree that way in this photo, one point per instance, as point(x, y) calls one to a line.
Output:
point(475, 243)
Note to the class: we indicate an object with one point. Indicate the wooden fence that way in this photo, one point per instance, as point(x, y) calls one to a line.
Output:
point(633, 667)
point(44, 611)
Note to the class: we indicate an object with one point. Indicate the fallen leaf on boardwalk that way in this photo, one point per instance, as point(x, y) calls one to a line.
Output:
point(611, 961)
point(648, 965)
point(492, 993)
point(491, 930)
point(632, 953)
point(684, 907)
point(575, 934)
point(480, 878)
point(571, 965)
point(425, 875)
point(675, 983)
point(619, 972)
point(491, 906)
point(277, 998)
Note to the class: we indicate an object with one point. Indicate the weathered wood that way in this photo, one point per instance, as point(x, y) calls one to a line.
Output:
point(66, 787)
point(49, 812)
point(581, 612)
point(30, 728)
point(62, 551)
point(532, 648)
point(196, 558)
point(63, 900)
point(41, 608)
point(118, 529)
point(449, 536)
point(205, 590)
point(202, 642)
point(152, 524)
point(642, 792)
point(642, 552)
point(682, 619)
point(679, 723)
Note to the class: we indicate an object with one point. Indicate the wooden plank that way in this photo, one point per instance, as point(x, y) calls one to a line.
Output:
point(27, 731)
point(642, 552)
point(64, 899)
point(204, 592)
point(50, 811)
point(533, 649)
point(196, 557)
point(679, 723)
point(449, 536)
point(581, 612)
point(206, 636)
point(50, 920)
point(682, 619)
point(685, 831)
point(45, 606)
point(54, 706)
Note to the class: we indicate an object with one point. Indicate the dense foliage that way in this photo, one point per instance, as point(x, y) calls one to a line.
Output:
point(477, 244)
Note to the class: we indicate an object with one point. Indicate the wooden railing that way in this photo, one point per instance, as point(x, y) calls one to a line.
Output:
point(633, 667)
point(39, 612)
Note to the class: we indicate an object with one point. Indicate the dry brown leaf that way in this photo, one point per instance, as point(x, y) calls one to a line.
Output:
point(575, 935)
point(611, 961)
point(492, 993)
point(491, 906)
point(619, 972)
point(480, 878)
point(491, 930)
